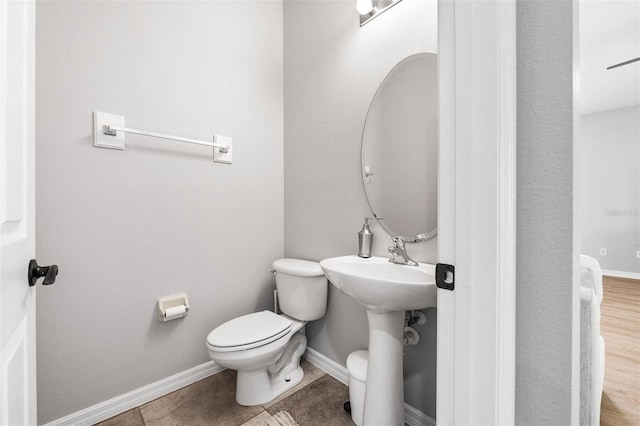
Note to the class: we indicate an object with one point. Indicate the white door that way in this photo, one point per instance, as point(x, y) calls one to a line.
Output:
point(17, 212)
point(476, 212)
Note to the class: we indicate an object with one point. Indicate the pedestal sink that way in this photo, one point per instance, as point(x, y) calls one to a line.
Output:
point(386, 290)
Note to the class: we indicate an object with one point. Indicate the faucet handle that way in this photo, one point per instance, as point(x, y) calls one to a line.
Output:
point(398, 241)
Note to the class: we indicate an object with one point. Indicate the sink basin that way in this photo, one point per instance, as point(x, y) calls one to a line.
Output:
point(387, 290)
point(382, 286)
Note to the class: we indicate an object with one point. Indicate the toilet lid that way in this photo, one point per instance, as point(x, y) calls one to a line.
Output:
point(249, 331)
point(298, 267)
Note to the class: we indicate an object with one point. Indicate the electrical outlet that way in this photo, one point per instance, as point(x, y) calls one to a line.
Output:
point(603, 252)
point(638, 254)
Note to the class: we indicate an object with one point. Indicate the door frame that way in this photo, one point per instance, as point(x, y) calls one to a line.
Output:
point(477, 212)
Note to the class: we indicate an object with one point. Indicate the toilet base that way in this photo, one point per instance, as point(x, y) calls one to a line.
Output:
point(256, 387)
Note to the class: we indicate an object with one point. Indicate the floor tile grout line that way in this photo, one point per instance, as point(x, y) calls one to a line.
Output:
point(251, 418)
point(299, 390)
point(140, 414)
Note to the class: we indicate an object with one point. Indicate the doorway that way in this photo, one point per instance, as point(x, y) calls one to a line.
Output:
point(608, 204)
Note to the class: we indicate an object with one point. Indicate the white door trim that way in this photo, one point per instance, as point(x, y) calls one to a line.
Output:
point(476, 218)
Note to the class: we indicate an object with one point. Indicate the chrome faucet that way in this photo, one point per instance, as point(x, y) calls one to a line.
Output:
point(399, 253)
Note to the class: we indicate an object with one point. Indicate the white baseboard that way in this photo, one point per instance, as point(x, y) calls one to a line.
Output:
point(114, 406)
point(412, 417)
point(331, 367)
point(621, 274)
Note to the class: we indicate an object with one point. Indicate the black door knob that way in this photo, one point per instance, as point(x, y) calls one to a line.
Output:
point(35, 271)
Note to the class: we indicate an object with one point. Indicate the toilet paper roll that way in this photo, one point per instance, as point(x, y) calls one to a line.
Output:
point(175, 312)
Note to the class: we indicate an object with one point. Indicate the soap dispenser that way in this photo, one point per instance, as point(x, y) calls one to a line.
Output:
point(365, 238)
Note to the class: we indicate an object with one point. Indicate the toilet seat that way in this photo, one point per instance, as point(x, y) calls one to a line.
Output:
point(249, 331)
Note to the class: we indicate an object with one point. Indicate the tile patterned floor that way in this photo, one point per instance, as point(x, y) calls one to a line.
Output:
point(317, 400)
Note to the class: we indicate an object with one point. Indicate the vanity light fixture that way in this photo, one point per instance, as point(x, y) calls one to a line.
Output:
point(369, 9)
point(364, 7)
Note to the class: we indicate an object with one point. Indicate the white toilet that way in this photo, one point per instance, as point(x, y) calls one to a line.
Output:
point(265, 347)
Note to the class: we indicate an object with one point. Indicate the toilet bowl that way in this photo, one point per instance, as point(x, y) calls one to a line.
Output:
point(264, 347)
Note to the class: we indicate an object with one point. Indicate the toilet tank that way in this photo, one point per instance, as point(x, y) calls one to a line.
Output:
point(302, 288)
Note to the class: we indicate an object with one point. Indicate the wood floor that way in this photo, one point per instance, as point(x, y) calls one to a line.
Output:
point(620, 328)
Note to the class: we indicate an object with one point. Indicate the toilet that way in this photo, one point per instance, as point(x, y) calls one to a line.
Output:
point(264, 347)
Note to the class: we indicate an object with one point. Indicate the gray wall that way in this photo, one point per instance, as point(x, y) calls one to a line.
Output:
point(547, 325)
point(610, 187)
point(332, 70)
point(127, 227)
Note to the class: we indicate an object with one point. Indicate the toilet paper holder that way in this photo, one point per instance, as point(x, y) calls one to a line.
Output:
point(173, 307)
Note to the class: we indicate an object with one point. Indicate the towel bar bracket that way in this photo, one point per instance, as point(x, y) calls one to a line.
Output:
point(108, 131)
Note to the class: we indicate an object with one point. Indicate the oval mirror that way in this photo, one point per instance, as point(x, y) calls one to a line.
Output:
point(400, 149)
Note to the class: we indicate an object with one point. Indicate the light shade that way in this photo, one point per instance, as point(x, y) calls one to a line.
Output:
point(364, 7)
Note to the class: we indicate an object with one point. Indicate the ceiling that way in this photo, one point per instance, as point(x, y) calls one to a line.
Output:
point(609, 34)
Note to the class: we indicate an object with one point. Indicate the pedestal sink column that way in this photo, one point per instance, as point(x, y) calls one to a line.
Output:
point(384, 395)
